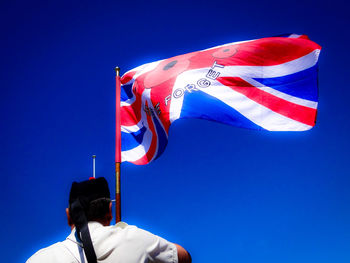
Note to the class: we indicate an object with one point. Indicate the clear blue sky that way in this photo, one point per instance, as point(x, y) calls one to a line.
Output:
point(247, 197)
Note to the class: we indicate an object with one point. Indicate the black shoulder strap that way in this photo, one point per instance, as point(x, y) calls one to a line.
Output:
point(81, 224)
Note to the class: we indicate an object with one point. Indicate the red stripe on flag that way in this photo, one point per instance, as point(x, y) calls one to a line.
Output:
point(127, 77)
point(291, 110)
point(131, 115)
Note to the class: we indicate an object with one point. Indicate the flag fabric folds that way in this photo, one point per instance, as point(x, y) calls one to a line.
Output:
point(264, 84)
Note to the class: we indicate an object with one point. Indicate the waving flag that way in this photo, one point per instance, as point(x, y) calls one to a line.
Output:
point(265, 84)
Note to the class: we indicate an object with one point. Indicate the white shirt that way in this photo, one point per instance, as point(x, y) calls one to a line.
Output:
point(120, 243)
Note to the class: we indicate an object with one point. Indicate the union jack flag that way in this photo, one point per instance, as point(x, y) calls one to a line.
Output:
point(264, 84)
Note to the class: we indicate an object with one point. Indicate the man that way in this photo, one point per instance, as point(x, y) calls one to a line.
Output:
point(93, 240)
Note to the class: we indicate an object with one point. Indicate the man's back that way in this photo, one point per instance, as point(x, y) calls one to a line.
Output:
point(54, 253)
point(117, 244)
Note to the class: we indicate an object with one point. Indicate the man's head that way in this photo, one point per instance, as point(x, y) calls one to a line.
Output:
point(93, 197)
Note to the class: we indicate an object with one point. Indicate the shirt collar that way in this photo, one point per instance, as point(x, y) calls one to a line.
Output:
point(93, 225)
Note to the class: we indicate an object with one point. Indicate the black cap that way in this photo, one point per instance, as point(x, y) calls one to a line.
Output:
point(89, 190)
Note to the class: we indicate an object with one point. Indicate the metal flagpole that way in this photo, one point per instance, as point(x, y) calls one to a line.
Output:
point(93, 166)
point(118, 216)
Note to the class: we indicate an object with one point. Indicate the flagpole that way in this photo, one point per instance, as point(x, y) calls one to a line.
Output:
point(93, 166)
point(117, 148)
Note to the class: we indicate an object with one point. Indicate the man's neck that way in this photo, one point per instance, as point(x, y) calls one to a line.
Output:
point(102, 222)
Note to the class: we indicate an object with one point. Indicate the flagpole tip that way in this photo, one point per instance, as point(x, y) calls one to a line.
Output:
point(117, 69)
point(94, 157)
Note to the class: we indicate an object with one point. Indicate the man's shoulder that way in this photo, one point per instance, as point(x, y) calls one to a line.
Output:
point(51, 253)
point(131, 244)
point(152, 246)
point(129, 232)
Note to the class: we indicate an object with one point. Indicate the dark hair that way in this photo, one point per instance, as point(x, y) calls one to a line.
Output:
point(98, 209)
point(89, 200)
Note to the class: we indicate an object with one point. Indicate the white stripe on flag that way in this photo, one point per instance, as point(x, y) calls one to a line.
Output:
point(255, 112)
point(295, 100)
point(132, 128)
point(294, 36)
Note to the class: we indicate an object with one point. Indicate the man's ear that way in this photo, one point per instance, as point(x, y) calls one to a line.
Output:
point(69, 219)
point(109, 214)
point(110, 208)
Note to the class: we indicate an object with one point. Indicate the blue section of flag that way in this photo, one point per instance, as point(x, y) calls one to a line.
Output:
point(126, 92)
point(132, 140)
point(203, 106)
point(161, 135)
point(302, 84)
